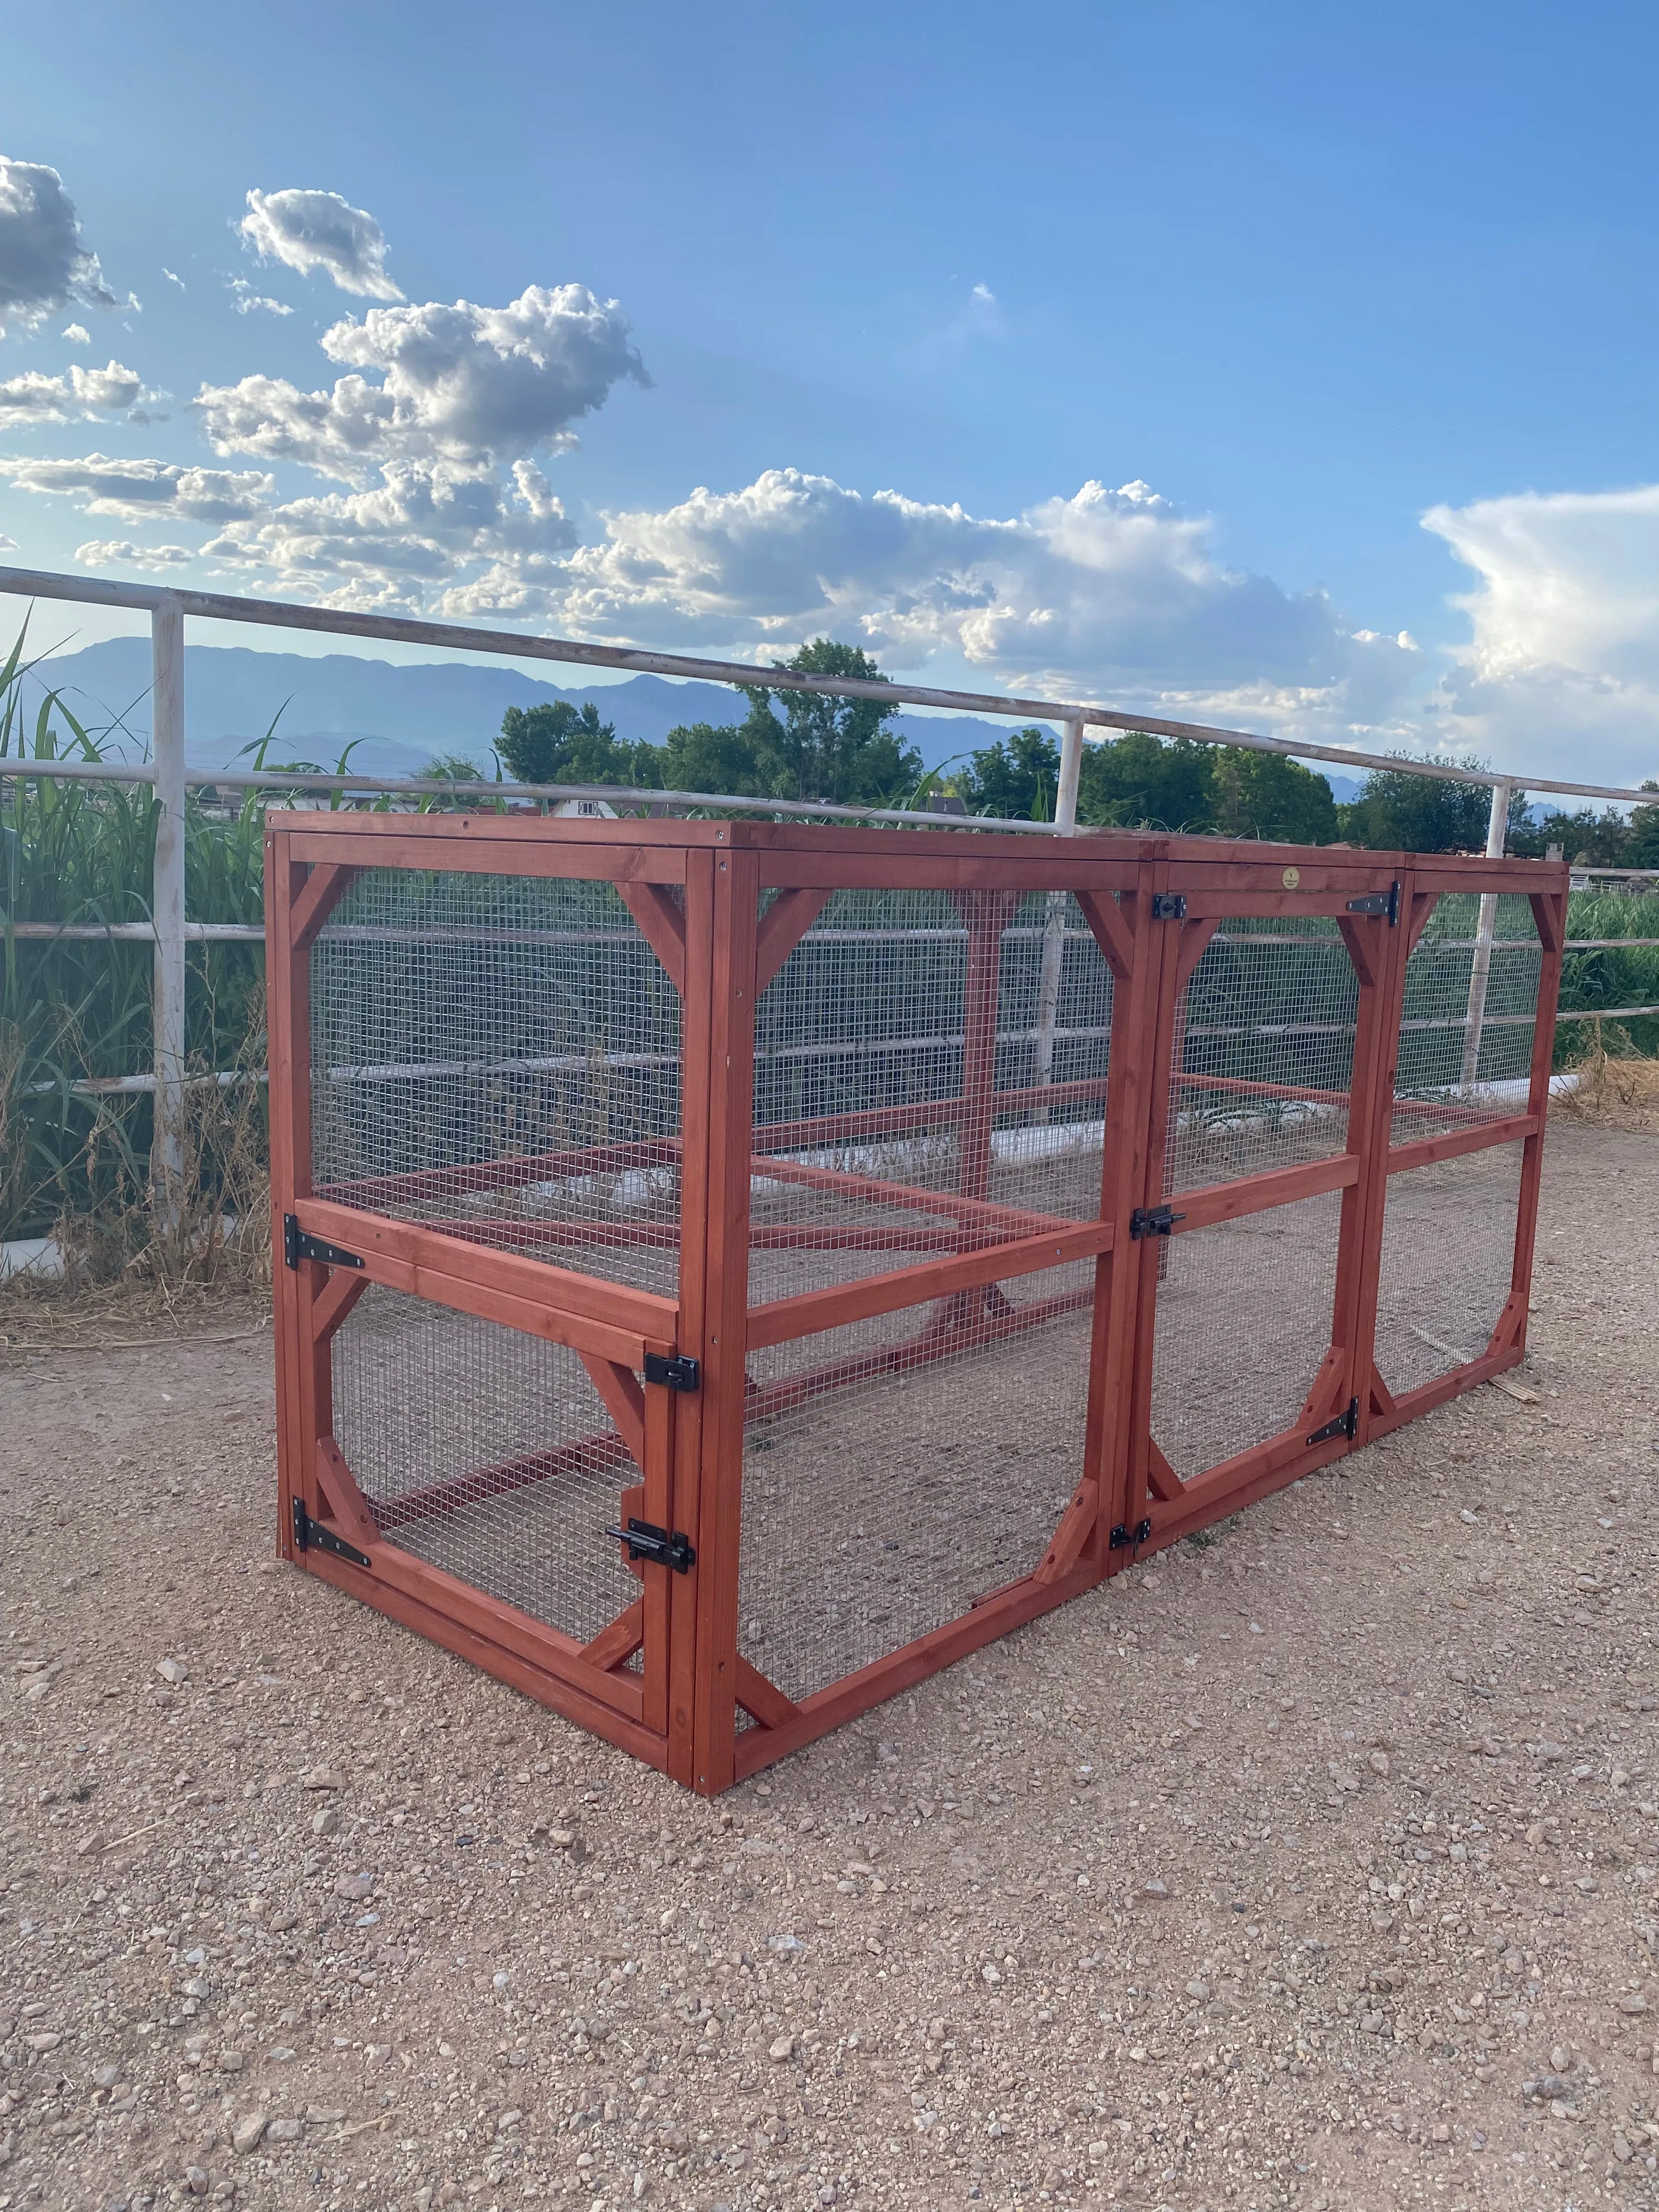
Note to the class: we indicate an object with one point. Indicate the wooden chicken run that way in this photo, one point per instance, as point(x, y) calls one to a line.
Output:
point(733, 1269)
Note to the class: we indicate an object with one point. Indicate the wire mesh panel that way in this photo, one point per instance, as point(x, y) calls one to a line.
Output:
point(898, 1469)
point(1448, 1263)
point(898, 1051)
point(487, 1453)
point(1465, 1040)
point(1262, 1056)
point(1244, 1319)
point(499, 1057)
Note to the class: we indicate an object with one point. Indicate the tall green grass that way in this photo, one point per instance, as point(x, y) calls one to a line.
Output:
point(73, 1009)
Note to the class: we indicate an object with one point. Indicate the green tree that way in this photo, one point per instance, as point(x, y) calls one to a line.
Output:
point(700, 756)
point(828, 747)
point(1138, 782)
point(1016, 779)
point(559, 743)
point(1269, 795)
point(1397, 811)
point(1600, 841)
point(1644, 832)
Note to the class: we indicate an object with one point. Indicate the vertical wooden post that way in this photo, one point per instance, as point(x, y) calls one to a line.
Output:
point(1152, 1039)
point(695, 1024)
point(1550, 917)
point(730, 1136)
point(288, 1022)
point(1376, 1135)
point(167, 625)
point(1371, 946)
point(1108, 1454)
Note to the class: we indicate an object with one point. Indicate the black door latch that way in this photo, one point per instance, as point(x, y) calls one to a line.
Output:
point(679, 1373)
point(1153, 1221)
point(1125, 1539)
point(311, 1535)
point(644, 1541)
point(1169, 905)
point(298, 1244)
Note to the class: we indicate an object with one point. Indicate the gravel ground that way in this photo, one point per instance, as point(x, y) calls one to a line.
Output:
point(1317, 1865)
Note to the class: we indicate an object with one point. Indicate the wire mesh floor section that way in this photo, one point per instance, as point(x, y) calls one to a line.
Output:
point(1448, 1265)
point(499, 1057)
point(487, 1453)
point(1244, 1318)
point(899, 1469)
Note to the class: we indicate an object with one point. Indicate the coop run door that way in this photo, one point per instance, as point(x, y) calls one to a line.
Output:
point(925, 1239)
point(483, 1240)
point(1250, 1233)
point(1454, 1249)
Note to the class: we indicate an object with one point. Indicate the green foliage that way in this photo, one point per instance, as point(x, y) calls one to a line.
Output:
point(1399, 812)
point(1613, 975)
point(1141, 782)
point(559, 743)
point(1270, 795)
point(826, 747)
point(700, 756)
point(1644, 832)
point(1016, 779)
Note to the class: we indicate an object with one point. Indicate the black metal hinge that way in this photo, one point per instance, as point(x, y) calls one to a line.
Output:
point(1153, 1221)
point(644, 1541)
point(1169, 905)
point(677, 1374)
point(1124, 1539)
point(1343, 1426)
point(311, 1535)
point(1386, 902)
point(298, 1245)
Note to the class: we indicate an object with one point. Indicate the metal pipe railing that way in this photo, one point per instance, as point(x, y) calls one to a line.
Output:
point(171, 776)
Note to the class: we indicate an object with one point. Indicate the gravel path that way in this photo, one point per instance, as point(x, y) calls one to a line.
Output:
point(1315, 1865)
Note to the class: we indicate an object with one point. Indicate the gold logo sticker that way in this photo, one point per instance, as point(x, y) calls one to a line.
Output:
point(1291, 878)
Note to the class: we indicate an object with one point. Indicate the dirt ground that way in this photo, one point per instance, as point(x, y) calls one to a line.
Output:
point(1314, 1865)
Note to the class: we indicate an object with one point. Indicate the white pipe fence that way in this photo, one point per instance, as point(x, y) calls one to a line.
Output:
point(168, 771)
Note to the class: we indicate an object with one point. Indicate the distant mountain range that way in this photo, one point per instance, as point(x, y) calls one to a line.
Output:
point(395, 715)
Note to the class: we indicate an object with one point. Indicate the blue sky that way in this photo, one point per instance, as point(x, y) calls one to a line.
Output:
point(1279, 283)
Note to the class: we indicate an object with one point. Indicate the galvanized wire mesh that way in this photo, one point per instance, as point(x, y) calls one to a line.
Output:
point(1448, 1263)
point(1452, 1071)
point(1262, 1053)
point(865, 1079)
point(1245, 1310)
point(487, 1453)
point(498, 1056)
point(898, 1469)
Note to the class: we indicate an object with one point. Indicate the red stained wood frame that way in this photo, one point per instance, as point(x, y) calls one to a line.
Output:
point(694, 889)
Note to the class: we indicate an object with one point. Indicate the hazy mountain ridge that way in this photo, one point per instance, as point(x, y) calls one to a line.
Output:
point(398, 715)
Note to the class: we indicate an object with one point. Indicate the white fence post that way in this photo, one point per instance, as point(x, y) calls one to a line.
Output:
point(1497, 824)
point(167, 625)
point(1054, 926)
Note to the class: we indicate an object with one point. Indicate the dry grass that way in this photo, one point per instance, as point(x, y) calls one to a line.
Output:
point(1616, 1088)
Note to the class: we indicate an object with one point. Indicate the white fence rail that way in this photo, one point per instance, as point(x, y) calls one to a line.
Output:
point(171, 775)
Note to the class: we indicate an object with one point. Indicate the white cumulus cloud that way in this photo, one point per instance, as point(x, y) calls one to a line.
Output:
point(468, 386)
point(45, 263)
point(411, 536)
point(1564, 652)
point(247, 302)
point(78, 394)
point(1110, 592)
point(308, 230)
point(122, 553)
point(77, 334)
point(141, 490)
